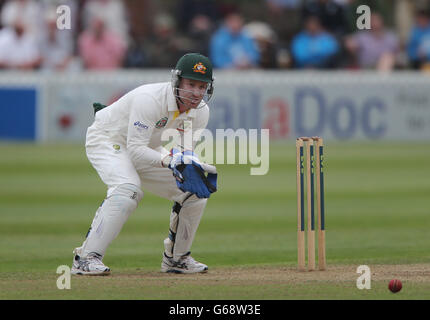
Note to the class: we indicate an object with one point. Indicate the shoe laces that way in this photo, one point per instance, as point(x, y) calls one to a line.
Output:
point(187, 258)
point(95, 258)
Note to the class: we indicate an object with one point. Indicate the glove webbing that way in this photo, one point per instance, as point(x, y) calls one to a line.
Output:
point(202, 175)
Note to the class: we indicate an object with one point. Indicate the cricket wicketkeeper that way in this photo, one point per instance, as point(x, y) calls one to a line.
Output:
point(124, 145)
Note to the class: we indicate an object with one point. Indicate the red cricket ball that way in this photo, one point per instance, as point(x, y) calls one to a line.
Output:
point(395, 285)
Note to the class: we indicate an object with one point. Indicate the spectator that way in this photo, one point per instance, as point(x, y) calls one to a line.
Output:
point(231, 47)
point(419, 42)
point(331, 14)
point(113, 13)
point(266, 41)
point(100, 48)
point(374, 48)
point(314, 47)
point(187, 10)
point(135, 56)
point(284, 17)
point(29, 12)
point(200, 31)
point(56, 48)
point(18, 47)
point(164, 47)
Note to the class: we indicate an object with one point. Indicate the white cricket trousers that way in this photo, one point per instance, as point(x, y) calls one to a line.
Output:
point(125, 183)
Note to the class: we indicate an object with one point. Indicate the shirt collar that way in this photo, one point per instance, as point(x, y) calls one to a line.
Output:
point(187, 114)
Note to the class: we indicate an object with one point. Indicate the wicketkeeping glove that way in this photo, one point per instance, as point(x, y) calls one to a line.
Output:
point(190, 174)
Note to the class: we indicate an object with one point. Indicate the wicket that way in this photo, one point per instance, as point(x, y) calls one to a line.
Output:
point(314, 155)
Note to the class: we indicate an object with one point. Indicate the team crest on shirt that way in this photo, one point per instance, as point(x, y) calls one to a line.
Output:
point(199, 67)
point(161, 123)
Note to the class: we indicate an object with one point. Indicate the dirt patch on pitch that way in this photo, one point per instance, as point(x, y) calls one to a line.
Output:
point(269, 274)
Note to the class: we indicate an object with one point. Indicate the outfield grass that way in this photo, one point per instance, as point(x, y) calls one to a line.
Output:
point(377, 204)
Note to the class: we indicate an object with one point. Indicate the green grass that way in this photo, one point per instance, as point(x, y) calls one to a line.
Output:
point(377, 204)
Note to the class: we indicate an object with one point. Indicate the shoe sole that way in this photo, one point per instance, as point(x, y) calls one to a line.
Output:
point(178, 271)
point(83, 273)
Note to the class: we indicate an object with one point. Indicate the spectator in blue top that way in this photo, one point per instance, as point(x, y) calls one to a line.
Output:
point(314, 47)
point(231, 47)
point(419, 41)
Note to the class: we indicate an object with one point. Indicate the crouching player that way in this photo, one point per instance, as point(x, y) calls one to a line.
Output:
point(124, 145)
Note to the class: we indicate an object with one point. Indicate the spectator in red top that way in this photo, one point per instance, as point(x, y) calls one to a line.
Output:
point(100, 48)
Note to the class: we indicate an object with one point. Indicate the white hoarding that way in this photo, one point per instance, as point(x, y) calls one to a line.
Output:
point(336, 105)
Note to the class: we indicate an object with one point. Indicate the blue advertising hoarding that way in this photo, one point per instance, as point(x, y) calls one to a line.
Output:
point(18, 113)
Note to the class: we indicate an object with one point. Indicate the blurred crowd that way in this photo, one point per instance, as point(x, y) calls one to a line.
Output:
point(267, 34)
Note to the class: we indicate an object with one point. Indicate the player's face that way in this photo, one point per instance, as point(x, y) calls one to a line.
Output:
point(191, 92)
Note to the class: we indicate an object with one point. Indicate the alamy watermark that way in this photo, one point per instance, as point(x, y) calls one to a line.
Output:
point(364, 20)
point(64, 17)
point(363, 281)
point(63, 281)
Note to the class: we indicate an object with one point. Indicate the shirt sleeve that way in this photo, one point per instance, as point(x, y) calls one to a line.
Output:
point(144, 113)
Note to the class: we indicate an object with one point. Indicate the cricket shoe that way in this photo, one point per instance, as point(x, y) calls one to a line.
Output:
point(92, 265)
point(186, 264)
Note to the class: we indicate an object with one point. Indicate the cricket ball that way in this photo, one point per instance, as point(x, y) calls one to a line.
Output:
point(395, 285)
